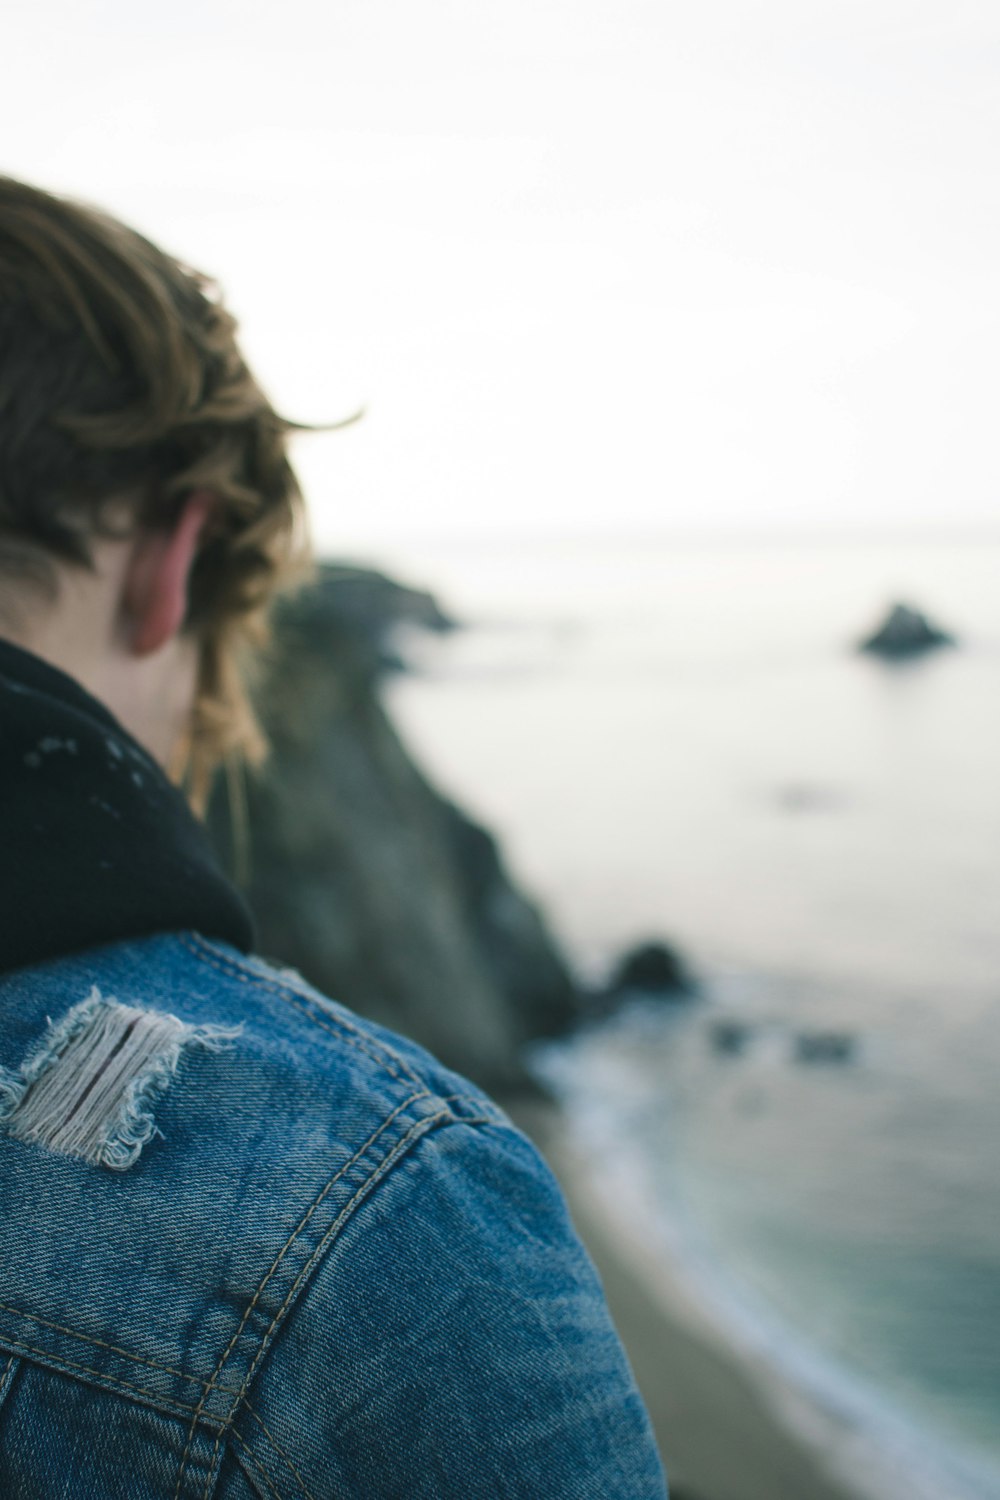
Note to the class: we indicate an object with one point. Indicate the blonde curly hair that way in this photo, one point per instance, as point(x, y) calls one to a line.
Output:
point(121, 377)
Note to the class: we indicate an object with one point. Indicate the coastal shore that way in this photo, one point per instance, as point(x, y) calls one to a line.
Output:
point(721, 1433)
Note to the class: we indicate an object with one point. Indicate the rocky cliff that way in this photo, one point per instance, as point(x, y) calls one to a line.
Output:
point(360, 873)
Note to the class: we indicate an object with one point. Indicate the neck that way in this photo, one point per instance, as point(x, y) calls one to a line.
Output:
point(80, 631)
point(99, 847)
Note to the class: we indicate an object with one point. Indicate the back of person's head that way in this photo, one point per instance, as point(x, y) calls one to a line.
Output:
point(122, 390)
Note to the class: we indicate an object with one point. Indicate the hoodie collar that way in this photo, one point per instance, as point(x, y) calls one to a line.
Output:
point(98, 846)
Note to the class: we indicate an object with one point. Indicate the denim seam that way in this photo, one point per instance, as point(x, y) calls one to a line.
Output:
point(210, 955)
point(417, 1129)
point(203, 950)
point(206, 1385)
point(248, 1458)
point(179, 1408)
point(495, 1117)
point(7, 1377)
point(85, 1338)
point(276, 1446)
point(112, 1382)
point(296, 1232)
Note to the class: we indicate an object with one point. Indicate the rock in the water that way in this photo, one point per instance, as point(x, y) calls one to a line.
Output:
point(905, 632)
point(364, 878)
point(653, 969)
point(730, 1038)
point(824, 1047)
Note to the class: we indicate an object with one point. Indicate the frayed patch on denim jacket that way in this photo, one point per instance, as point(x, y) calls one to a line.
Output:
point(88, 1089)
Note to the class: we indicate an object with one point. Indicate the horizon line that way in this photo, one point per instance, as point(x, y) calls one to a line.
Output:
point(933, 534)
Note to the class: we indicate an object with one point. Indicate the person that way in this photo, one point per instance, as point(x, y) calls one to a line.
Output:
point(250, 1243)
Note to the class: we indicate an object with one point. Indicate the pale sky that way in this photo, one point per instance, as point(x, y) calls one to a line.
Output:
point(590, 265)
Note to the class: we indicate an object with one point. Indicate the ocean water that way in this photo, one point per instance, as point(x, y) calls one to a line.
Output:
point(679, 740)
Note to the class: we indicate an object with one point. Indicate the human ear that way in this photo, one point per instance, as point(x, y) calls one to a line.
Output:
point(155, 593)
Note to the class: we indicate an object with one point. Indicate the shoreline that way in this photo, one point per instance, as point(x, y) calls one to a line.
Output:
point(718, 1419)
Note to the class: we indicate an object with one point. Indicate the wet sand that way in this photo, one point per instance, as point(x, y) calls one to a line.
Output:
point(718, 1424)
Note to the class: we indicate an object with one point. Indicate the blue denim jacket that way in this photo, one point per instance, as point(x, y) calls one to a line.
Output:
point(282, 1253)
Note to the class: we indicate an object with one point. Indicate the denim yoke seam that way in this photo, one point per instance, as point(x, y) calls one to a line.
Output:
point(275, 1446)
point(195, 945)
point(416, 1130)
point(7, 1377)
point(86, 1338)
point(213, 1385)
point(396, 1066)
point(248, 1459)
point(102, 1378)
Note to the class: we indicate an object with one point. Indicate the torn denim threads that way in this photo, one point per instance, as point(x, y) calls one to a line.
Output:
point(89, 1089)
point(334, 1269)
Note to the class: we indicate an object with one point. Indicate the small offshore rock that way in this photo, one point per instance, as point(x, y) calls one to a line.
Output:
point(730, 1038)
point(653, 968)
point(825, 1047)
point(905, 632)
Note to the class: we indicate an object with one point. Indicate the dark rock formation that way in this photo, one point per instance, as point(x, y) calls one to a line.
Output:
point(375, 610)
point(905, 632)
point(360, 874)
point(824, 1047)
point(652, 968)
point(730, 1038)
point(509, 931)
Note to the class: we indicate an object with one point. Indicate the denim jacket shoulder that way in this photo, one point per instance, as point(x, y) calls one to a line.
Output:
point(254, 1246)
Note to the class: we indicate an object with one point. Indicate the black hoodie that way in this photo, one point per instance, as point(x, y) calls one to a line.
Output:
point(97, 845)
